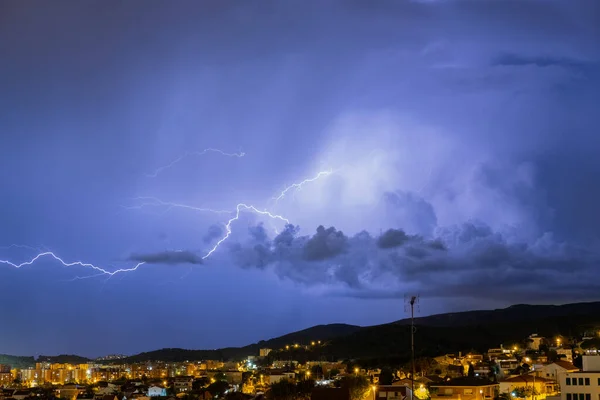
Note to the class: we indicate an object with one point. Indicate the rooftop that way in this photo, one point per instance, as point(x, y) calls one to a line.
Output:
point(466, 381)
point(526, 378)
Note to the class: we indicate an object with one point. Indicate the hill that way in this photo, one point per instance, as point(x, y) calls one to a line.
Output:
point(435, 335)
point(17, 361)
point(64, 359)
point(319, 332)
point(515, 313)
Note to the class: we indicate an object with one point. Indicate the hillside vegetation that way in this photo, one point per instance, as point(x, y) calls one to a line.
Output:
point(435, 335)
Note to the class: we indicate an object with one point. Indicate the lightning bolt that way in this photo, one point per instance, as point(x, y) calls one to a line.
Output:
point(19, 246)
point(193, 153)
point(298, 186)
point(101, 271)
point(237, 216)
point(153, 202)
point(156, 202)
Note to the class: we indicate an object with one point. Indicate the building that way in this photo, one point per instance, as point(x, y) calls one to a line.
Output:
point(156, 391)
point(183, 384)
point(566, 353)
point(264, 352)
point(466, 388)
point(534, 341)
point(583, 385)
point(68, 392)
point(392, 392)
point(5, 378)
point(556, 370)
point(528, 387)
point(275, 376)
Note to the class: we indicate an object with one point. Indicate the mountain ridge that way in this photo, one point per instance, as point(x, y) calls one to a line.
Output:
point(454, 331)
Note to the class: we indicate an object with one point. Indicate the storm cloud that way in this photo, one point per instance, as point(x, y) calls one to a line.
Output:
point(167, 257)
point(464, 260)
point(463, 136)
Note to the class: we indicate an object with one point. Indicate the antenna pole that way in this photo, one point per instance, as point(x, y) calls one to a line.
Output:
point(412, 346)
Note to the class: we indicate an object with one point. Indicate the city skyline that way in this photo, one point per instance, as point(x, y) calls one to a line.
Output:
point(230, 173)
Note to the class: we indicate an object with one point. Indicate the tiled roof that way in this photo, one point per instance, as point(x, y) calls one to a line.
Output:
point(566, 365)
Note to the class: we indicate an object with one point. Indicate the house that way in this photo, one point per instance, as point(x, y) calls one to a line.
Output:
point(392, 392)
point(155, 391)
point(534, 341)
point(582, 385)
point(183, 384)
point(466, 388)
point(565, 353)
point(105, 388)
point(507, 366)
point(474, 358)
point(68, 392)
point(330, 394)
point(522, 386)
point(455, 371)
point(556, 370)
point(275, 376)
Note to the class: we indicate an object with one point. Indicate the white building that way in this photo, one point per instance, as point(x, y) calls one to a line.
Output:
point(556, 370)
point(155, 391)
point(583, 385)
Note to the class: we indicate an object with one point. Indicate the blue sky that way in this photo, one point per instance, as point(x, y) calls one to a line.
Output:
point(461, 137)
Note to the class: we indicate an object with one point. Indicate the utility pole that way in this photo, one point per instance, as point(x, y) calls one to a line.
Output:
point(413, 300)
point(412, 346)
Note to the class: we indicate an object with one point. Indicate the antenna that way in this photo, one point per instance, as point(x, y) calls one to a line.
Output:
point(411, 301)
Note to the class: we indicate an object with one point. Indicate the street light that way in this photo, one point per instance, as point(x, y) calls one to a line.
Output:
point(356, 371)
point(374, 391)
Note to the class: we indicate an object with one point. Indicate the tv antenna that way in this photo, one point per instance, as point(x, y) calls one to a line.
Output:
point(412, 301)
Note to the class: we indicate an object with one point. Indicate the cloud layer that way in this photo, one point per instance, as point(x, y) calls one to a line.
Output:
point(469, 259)
point(167, 257)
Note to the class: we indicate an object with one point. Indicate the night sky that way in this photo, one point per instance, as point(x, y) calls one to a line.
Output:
point(459, 143)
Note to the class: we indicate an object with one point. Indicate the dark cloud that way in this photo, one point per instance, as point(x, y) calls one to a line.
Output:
point(465, 260)
point(214, 232)
point(326, 243)
point(392, 238)
point(167, 257)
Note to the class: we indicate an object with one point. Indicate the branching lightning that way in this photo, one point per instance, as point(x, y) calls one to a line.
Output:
point(156, 202)
point(298, 186)
point(193, 153)
point(101, 271)
point(18, 246)
point(237, 216)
